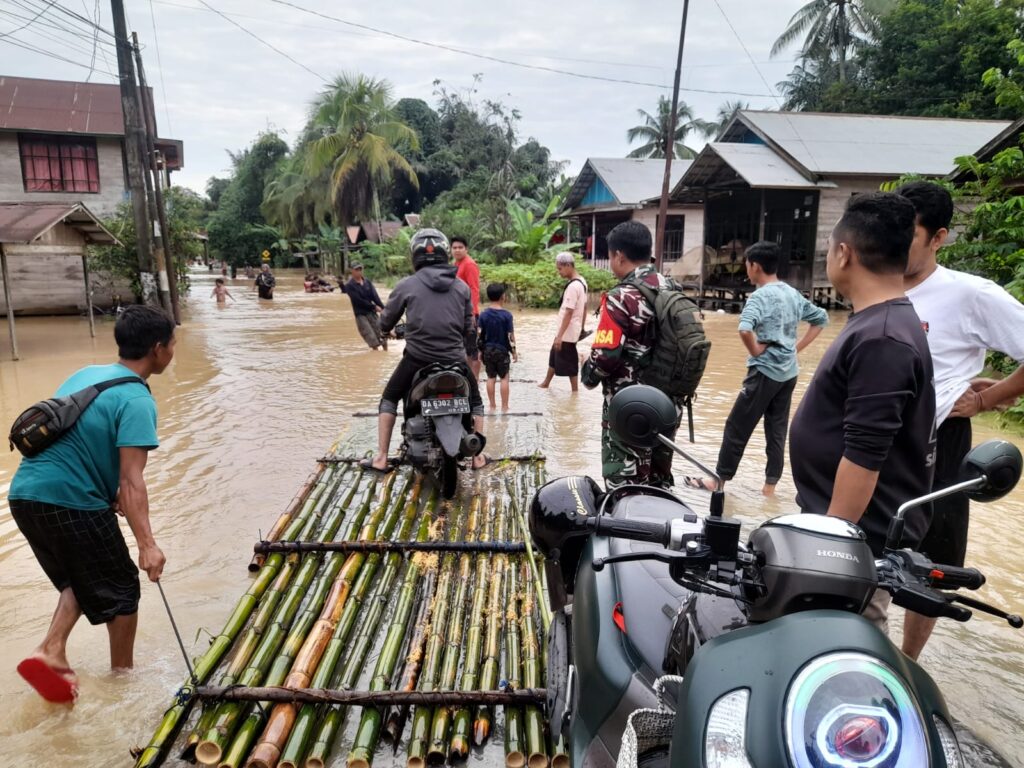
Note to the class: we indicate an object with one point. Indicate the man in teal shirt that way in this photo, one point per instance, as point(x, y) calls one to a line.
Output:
point(65, 501)
point(768, 326)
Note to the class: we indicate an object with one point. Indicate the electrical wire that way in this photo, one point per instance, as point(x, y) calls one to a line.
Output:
point(160, 67)
point(49, 37)
point(95, 38)
point(772, 92)
point(42, 52)
point(84, 19)
point(54, 23)
point(509, 62)
point(28, 23)
point(260, 39)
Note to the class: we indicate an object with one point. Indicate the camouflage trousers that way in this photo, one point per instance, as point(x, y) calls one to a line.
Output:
point(624, 465)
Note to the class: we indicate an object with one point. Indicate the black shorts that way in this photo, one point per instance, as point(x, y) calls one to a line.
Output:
point(565, 361)
point(497, 361)
point(472, 342)
point(400, 383)
point(84, 550)
point(946, 540)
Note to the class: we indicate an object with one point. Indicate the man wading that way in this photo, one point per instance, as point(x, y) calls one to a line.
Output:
point(64, 500)
point(366, 305)
point(265, 282)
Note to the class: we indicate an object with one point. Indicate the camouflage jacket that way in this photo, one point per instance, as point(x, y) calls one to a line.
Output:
point(625, 334)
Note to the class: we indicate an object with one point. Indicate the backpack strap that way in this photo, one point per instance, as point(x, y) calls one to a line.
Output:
point(105, 385)
point(649, 293)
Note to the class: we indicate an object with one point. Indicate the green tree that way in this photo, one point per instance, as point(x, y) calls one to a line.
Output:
point(724, 115)
point(830, 29)
point(654, 131)
point(1009, 85)
point(233, 227)
point(359, 141)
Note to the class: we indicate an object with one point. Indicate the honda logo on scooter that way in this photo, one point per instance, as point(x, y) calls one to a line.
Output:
point(838, 555)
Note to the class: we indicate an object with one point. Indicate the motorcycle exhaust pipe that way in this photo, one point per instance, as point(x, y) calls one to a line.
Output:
point(471, 444)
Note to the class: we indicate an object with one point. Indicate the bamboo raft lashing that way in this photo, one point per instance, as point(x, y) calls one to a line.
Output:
point(402, 581)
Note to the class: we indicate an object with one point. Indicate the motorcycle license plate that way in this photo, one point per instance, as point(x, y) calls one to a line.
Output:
point(444, 406)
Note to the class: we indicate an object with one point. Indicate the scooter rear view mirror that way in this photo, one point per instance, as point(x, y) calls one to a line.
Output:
point(999, 463)
point(638, 414)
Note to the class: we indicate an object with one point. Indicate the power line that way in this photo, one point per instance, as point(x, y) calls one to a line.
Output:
point(95, 37)
point(50, 37)
point(52, 23)
point(28, 23)
point(160, 66)
point(260, 39)
point(499, 60)
point(42, 52)
point(89, 22)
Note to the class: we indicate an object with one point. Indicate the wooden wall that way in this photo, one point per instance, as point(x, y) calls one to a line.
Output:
point(46, 277)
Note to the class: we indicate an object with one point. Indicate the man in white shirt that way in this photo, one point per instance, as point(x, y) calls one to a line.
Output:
point(964, 316)
point(564, 360)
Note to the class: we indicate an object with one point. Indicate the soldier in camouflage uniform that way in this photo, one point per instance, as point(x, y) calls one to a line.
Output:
point(622, 348)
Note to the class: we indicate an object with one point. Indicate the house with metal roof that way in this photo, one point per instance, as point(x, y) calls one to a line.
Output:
point(786, 177)
point(608, 191)
point(36, 237)
point(63, 142)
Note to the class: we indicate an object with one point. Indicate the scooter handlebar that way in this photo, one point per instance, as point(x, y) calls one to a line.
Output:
point(637, 530)
point(953, 577)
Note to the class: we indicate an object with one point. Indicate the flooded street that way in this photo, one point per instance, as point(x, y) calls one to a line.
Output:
point(257, 392)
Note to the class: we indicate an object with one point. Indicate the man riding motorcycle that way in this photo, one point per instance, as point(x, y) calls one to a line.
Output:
point(439, 318)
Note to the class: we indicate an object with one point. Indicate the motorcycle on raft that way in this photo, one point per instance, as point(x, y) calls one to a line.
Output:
point(767, 660)
point(437, 426)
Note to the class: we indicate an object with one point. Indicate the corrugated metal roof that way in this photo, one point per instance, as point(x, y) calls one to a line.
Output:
point(632, 180)
point(65, 106)
point(760, 166)
point(25, 222)
point(872, 144)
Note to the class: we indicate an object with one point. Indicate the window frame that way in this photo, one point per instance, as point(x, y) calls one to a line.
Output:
point(60, 161)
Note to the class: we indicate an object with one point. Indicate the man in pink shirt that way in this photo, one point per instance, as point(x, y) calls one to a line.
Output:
point(564, 359)
point(468, 272)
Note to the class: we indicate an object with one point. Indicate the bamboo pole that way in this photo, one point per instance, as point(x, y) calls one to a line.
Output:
point(536, 749)
point(282, 717)
point(216, 731)
point(255, 716)
point(482, 547)
point(428, 677)
point(368, 731)
point(300, 499)
point(441, 723)
point(173, 718)
point(490, 669)
point(514, 740)
point(414, 656)
point(327, 729)
point(374, 698)
point(462, 720)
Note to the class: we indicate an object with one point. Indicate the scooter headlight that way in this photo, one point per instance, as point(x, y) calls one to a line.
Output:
point(849, 710)
point(725, 735)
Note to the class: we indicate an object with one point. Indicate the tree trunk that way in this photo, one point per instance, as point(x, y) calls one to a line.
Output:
point(842, 42)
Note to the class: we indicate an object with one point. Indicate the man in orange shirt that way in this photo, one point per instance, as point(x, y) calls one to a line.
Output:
point(468, 272)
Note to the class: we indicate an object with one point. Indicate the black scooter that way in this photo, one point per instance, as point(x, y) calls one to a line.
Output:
point(437, 426)
point(778, 668)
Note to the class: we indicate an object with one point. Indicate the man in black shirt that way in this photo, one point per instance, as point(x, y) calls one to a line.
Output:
point(366, 305)
point(863, 439)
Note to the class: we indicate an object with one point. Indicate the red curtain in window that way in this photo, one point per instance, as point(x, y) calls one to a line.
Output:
point(60, 165)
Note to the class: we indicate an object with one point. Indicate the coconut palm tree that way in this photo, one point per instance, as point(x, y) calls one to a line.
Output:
point(655, 129)
point(356, 136)
point(725, 113)
point(832, 28)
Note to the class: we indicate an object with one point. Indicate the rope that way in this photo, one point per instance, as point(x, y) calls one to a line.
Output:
point(181, 644)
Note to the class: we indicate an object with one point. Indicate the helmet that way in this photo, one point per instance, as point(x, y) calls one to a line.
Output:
point(428, 247)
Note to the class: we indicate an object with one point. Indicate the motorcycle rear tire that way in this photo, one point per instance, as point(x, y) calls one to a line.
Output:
point(448, 476)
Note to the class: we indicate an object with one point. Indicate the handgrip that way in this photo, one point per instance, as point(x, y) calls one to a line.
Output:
point(638, 530)
point(953, 577)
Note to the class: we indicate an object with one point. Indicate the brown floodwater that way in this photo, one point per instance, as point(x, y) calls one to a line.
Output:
point(257, 392)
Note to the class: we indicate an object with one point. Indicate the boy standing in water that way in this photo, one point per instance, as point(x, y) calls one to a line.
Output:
point(220, 290)
point(498, 342)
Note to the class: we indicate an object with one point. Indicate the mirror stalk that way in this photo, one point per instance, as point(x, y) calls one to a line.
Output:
point(895, 534)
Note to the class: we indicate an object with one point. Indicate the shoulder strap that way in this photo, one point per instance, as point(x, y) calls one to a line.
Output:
point(647, 291)
point(105, 385)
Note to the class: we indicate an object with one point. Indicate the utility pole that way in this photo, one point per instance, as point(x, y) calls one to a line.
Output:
point(158, 213)
point(133, 141)
point(670, 148)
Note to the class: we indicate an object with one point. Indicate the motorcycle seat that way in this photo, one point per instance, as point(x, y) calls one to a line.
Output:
point(648, 594)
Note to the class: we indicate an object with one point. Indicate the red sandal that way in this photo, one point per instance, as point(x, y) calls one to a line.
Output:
point(51, 683)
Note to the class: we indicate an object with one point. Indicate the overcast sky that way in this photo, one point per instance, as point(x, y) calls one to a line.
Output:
point(223, 86)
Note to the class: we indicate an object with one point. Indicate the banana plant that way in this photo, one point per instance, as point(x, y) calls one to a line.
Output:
point(531, 236)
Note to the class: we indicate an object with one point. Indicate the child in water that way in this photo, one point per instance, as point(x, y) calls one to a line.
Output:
point(220, 290)
point(498, 342)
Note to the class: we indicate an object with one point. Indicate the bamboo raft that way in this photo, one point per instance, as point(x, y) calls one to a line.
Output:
point(382, 625)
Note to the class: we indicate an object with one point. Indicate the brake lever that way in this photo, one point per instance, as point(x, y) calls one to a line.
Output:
point(662, 556)
point(1012, 619)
